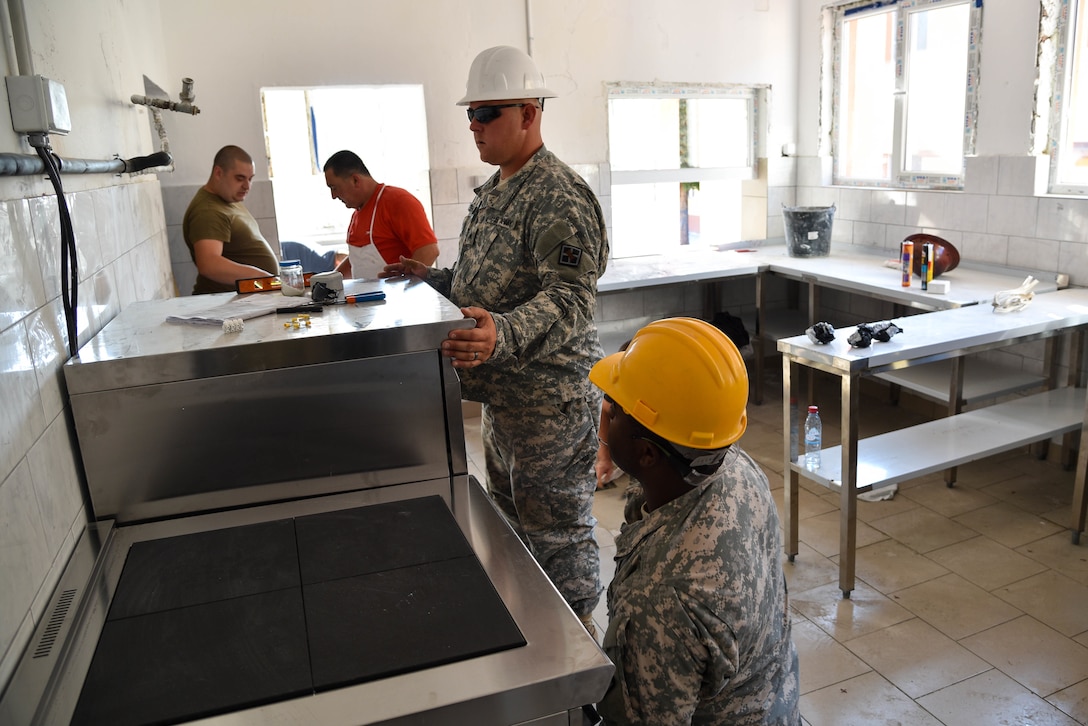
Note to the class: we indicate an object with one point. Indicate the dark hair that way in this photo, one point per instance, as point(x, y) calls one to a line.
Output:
point(345, 163)
point(226, 157)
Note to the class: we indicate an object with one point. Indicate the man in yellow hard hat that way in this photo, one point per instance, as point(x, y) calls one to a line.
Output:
point(699, 623)
point(531, 250)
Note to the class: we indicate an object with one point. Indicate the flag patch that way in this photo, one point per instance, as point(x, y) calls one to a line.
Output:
point(570, 255)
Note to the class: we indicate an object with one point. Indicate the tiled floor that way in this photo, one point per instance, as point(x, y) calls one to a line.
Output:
point(971, 604)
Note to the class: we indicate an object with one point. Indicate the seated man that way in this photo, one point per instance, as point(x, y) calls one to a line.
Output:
point(313, 260)
point(388, 222)
point(222, 236)
point(699, 623)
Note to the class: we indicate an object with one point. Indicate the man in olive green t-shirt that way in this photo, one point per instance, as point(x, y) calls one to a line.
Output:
point(222, 236)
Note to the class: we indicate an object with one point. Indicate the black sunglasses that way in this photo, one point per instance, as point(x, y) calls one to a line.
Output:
point(487, 114)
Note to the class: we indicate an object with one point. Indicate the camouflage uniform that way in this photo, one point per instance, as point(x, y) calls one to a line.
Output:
point(531, 250)
point(699, 624)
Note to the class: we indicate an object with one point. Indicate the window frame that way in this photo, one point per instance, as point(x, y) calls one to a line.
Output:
point(757, 97)
point(898, 177)
point(1060, 28)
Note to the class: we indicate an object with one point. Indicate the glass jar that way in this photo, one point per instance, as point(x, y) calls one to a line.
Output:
point(292, 281)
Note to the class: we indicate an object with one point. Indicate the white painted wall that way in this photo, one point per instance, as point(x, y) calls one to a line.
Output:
point(579, 45)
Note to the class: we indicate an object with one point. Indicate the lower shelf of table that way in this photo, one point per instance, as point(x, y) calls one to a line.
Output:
point(947, 442)
point(981, 380)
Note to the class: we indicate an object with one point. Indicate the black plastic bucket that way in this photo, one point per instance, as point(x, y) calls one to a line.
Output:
point(808, 230)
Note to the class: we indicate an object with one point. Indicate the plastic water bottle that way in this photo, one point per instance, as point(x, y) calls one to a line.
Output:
point(814, 435)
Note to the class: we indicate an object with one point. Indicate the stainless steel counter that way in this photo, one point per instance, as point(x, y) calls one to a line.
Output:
point(186, 429)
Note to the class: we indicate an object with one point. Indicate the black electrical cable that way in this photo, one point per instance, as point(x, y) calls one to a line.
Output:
point(69, 267)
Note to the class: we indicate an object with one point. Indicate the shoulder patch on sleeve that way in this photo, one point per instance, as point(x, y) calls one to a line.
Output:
point(569, 255)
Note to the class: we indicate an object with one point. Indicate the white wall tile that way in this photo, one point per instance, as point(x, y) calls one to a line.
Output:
point(260, 202)
point(1062, 218)
point(448, 219)
point(1016, 175)
point(868, 234)
point(1073, 261)
point(88, 243)
point(894, 235)
point(842, 231)
point(980, 176)
point(107, 222)
point(21, 287)
point(175, 200)
point(125, 206)
point(966, 212)
point(781, 171)
point(54, 472)
point(813, 171)
point(22, 418)
point(24, 559)
point(888, 207)
point(45, 223)
point(443, 186)
point(1012, 216)
point(46, 339)
point(854, 204)
point(1033, 253)
point(469, 178)
point(926, 209)
point(982, 247)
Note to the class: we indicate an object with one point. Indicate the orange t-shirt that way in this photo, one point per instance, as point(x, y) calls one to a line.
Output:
point(400, 224)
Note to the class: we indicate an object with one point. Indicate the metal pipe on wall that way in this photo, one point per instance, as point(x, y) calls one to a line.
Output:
point(20, 39)
point(29, 164)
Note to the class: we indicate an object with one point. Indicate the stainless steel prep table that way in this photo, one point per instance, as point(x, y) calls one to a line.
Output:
point(858, 466)
point(358, 409)
point(854, 269)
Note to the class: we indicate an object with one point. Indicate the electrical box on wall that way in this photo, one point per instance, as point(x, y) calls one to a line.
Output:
point(38, 105)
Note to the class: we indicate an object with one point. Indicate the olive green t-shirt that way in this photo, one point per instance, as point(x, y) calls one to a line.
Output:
point(209, 217)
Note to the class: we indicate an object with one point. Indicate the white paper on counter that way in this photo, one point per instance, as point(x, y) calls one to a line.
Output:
point(241, 307)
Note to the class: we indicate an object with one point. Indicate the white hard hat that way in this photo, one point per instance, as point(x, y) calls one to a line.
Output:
point(503, 73)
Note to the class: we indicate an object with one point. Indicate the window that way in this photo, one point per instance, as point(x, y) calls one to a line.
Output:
point(385, 125)
point(1069, 98)
point(905, 81)
point(678, 157)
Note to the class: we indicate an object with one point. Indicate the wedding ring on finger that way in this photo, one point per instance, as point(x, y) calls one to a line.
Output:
point(475, 355)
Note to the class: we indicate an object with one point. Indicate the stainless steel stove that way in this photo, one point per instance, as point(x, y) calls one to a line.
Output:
point(285, 532)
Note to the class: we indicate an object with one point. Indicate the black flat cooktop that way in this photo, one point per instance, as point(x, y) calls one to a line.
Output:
point(218, 621)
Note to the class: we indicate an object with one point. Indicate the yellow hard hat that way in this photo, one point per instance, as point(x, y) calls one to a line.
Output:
point(681, 378)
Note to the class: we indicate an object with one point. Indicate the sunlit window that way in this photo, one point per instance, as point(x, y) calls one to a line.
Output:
point(678, 156)
point(385, 125)
point(1069, 112)
point(905, 91)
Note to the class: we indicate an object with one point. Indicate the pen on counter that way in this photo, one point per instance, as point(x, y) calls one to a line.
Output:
point(315, 308)
point(365, 297)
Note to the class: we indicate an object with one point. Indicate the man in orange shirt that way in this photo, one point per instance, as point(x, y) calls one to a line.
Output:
point(388, 223)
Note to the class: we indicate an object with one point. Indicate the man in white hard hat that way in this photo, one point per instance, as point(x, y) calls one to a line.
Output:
point(531, 250)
